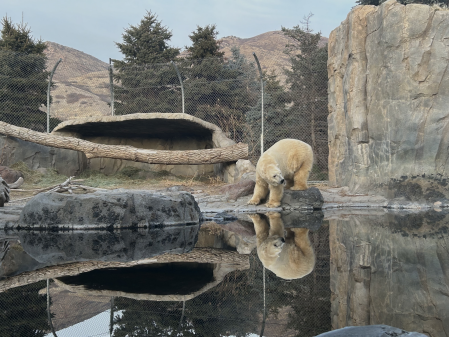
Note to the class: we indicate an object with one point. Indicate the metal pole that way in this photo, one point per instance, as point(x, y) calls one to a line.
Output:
point(182, 85)
point(48, 310)
point(264, 306)
point(261, 86)
point(111, 85)
point(111, 318)
point(48, 94)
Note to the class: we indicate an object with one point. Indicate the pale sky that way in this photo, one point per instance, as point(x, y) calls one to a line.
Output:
point(93, 26)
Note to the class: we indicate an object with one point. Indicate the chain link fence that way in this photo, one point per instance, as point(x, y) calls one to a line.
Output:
point(234, 307)
point(224, 91)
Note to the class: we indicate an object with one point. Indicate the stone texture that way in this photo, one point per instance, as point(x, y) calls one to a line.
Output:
point(308, 199)
point(244, 170)
point(10, 175)
point(4, 192)
point(388, 98)
point(116, 209)
point(238, 190)
point(123, 246)
point(372, 331)
point(35, 156)
point(392, 269)
point(160, 131)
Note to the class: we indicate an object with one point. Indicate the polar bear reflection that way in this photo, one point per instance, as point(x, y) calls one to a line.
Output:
point(290, 256)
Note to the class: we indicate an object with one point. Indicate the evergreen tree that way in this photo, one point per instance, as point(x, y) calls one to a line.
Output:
point(217, 90)
point(307, 81)
point(276, 115)
point(23, 312)
point(23, 78)
point(146, 82)
point(204, 43)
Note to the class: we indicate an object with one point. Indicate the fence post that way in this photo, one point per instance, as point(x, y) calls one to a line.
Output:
point(182, 85)
point(111, 85)
point(261, 86)
point(48, 94)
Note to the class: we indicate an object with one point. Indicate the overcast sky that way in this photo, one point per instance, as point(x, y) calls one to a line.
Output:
point(93, 26)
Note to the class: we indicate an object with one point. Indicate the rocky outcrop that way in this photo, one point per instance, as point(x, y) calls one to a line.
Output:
point(35, 156)
point(372, 331)
point(110, 209)
point(388, 98)
point(391, 269)
point(4, 192)
point(158, 131)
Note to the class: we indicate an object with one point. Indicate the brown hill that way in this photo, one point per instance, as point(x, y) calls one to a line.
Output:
point(269, 48)
point(82, 81)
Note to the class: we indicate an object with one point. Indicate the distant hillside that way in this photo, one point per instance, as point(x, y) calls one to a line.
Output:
point(269, 48)
point(82, 81)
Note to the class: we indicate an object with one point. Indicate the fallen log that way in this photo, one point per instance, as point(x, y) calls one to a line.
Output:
point(94, 150)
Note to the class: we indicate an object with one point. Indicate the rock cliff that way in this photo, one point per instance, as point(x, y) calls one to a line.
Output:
point(388, 99)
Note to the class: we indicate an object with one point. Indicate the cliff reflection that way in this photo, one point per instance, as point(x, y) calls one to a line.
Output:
point(391, 268)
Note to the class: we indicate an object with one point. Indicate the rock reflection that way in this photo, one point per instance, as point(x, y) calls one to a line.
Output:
point(120, 246)
point(391, 268)
point(287, 252)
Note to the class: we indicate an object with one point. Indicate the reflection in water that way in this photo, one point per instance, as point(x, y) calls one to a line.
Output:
point(286, 252)
point(391, 268)
point(223, 296)
point(62, 247)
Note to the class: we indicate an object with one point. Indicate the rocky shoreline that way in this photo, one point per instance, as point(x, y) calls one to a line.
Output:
point(335, 201)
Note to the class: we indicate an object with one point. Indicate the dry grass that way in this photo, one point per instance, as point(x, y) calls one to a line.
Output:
point(128, 178)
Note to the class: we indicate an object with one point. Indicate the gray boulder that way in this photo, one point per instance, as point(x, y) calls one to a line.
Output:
point(110, 209)
point(308, 199)
point(370, 331)
point(4, 192)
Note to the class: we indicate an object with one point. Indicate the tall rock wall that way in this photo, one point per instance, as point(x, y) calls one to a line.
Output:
point(389, 101)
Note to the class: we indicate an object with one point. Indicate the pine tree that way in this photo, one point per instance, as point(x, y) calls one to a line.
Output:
point(23, 312)
point(23, 78)
point(146, 82)
point(204, 43)
point(307, 81)
point(217, 90)
point(276, 115)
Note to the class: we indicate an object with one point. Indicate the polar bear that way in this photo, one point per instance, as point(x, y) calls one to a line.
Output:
point(288, 162)
point(289, 258)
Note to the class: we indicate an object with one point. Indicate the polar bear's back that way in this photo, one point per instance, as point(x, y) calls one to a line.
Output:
point(290, 153)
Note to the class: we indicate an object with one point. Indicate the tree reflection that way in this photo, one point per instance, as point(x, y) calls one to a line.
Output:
point(235, 306)
point(23, 312)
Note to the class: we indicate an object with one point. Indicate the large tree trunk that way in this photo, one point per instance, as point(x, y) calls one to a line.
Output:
point(94, 150)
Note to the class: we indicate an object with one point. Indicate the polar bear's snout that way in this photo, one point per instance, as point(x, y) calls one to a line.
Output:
point(279, 242)
point(278, 179)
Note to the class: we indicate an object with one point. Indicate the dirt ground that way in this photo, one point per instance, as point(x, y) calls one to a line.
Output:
point(36, 181)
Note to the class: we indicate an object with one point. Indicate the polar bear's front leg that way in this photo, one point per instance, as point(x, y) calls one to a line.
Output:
point(260, 191)
point(276, 193)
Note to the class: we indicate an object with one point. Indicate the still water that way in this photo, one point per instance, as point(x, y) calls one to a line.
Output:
point(300, 276)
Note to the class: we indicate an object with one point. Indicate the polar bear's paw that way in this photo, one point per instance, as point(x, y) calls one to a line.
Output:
point(254, 216)
point(273, 215)
point(272, 204)
point(253, 202)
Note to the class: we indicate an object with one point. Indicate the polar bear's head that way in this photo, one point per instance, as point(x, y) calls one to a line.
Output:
point(273, 175)
point(271, 248)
